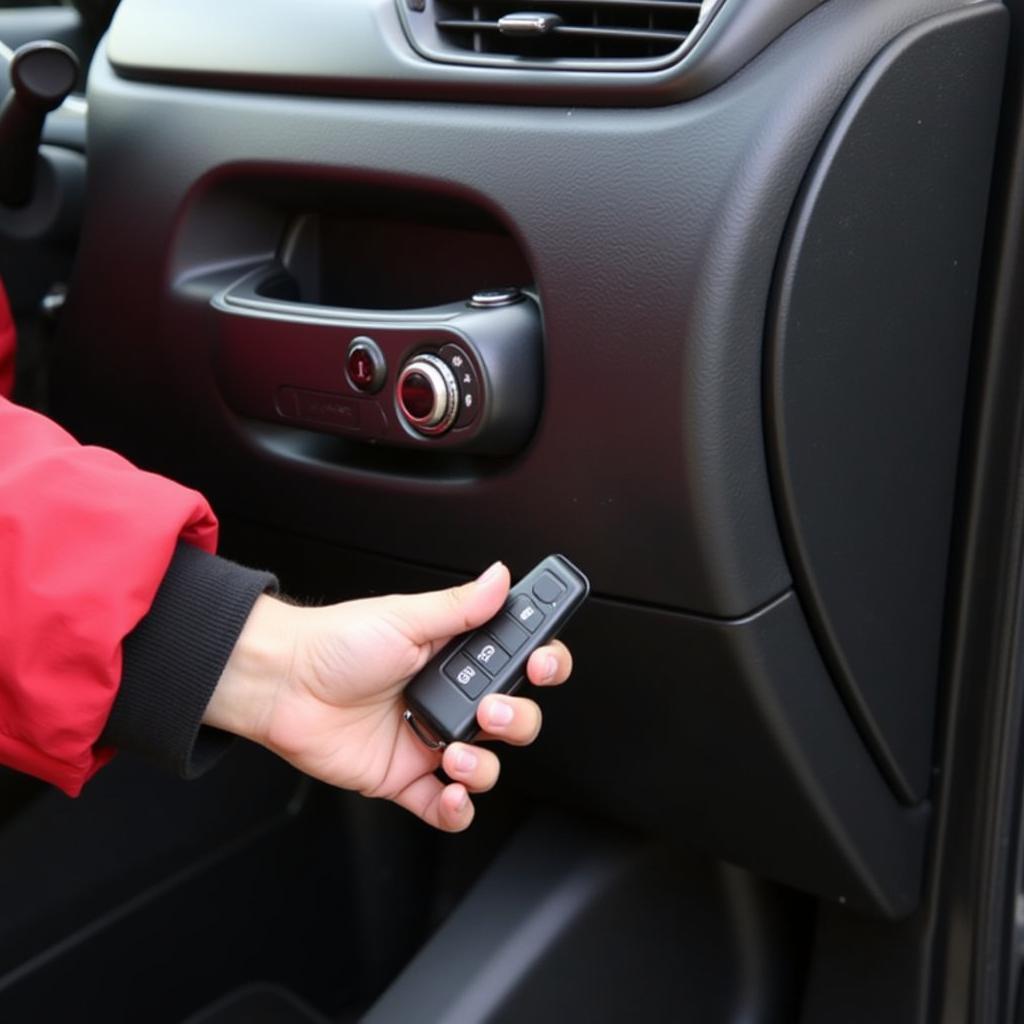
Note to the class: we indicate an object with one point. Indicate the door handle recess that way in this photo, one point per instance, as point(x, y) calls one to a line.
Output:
point(464, 376)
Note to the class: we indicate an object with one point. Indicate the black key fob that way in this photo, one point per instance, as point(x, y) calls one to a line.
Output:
point(444, 695)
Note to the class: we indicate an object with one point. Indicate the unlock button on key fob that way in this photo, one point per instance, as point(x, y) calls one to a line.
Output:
point(469, 678)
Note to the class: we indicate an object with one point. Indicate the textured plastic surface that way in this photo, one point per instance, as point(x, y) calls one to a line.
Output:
point(359, 48)
point(653, 273)
point(438, 698)
point(868, 369)
point(578, 923)
point(730, 737)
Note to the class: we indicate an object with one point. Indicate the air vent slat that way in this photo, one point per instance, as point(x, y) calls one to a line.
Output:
point(653, 35)
point(684, 6)
point(580, 31)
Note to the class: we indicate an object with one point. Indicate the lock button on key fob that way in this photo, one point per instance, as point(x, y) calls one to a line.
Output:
point(485, 651)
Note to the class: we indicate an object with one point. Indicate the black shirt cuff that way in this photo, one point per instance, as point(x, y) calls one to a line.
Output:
point(174, 658)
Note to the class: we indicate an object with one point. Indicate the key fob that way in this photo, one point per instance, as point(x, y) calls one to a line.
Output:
point(443, 697)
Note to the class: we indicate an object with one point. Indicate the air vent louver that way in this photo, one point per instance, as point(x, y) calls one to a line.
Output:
point(573, 30)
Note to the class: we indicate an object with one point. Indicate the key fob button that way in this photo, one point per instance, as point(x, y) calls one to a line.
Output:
point(526, 613)
point(508, 634)
point(485, 651)
point(469, 678)
point(549, 588)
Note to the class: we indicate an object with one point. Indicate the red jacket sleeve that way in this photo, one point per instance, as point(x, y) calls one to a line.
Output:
point(85, 540)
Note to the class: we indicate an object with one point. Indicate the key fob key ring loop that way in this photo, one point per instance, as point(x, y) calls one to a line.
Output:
point(428, 739)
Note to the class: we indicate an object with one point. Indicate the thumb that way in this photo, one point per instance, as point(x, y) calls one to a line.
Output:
point(440, 614)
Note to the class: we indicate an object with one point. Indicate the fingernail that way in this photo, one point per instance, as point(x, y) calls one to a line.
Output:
point(550, 668)
point(499, 713)
point(462, 801)
point(489, 574)
point(465, 760)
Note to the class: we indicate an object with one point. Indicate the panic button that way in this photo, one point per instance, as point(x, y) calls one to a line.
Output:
point(549, 588)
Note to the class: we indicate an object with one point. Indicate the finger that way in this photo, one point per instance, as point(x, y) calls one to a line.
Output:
point(444, 807)
point(445, 613)
point(477, 769)
point(549, 665)
point(514, 720)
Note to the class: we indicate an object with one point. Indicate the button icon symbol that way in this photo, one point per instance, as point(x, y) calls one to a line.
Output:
point(457, 361)
point(469, 401)
point(524, 611)
point(466, 676)
point(486, 654)
point(365, 365)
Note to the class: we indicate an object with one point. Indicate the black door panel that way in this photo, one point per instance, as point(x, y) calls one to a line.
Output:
point(650, 239)
point(736, 384)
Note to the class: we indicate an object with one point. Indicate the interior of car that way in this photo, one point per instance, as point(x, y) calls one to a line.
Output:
point(720, 300)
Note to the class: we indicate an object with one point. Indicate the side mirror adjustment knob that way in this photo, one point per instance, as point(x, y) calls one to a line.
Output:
point(427, 394)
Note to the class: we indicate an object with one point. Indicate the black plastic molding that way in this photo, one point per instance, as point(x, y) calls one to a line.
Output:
point(867, 368)
point(360, 48)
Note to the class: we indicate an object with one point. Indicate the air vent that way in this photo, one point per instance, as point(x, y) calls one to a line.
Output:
point(561, 33)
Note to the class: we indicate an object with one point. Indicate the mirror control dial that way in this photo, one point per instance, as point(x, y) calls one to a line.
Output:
point(427, 394)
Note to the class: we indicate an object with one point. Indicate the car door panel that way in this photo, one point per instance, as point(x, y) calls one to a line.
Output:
point(749, 285)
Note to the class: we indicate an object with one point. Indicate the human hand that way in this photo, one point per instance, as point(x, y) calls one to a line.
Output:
point(322, 687)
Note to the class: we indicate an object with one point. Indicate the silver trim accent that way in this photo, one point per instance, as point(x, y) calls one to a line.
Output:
point(489, 298)
point(446, 394)
point(528, 23)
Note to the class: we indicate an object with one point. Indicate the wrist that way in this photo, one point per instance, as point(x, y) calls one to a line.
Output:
point(259, 666)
